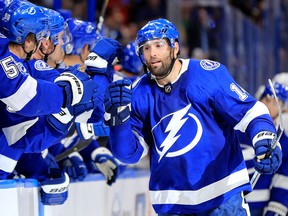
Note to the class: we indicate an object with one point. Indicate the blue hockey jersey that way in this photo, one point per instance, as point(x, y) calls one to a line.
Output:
point(25, 133)
point(22, 93)
point(195, 157)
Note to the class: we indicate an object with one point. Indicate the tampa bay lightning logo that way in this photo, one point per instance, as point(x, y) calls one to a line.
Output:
point(175, 122)
point(21, 68)
point(31, 11)
point(209, 65)
point(42, 66)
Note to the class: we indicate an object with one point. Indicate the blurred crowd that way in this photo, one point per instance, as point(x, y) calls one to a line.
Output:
point(200, 25)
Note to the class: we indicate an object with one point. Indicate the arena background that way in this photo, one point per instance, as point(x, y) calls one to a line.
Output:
point(248, 36)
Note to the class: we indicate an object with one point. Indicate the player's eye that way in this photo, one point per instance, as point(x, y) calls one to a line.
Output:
point(160, 43)
point(146, 47)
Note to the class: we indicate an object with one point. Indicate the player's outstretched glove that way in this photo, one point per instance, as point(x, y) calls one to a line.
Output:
point(275, 208)
point(105, 163)
point(61, 121)
point(100, 129)
point(262, 144)
point(75, 167)
point(80, 108)
point(54, 191)
point(78, 87)
point(87, 131)
point(117, 102)
point(102, 55)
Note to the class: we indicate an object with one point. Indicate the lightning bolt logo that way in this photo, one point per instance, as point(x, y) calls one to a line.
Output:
point(173, 127)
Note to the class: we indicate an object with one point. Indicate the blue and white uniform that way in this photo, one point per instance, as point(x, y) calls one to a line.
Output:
point(15, 86)
point(190, 133)
point(26, 133)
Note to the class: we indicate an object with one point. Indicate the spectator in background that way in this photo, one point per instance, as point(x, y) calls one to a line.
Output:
point(114, 20)
point(148, 10)
point(202, 33)
point(254, 9)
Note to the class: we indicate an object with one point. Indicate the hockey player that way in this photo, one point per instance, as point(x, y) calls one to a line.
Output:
point(24, 27)
point(98, 159)
point(84, 38)
point(129, 67)
point(32, 134)
point(185, 113)
point(270, 194)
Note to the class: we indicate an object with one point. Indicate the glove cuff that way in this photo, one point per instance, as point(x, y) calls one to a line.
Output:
point(58, 183)
point(95, 61)
point(68, 79)
point(276, 207)
point(100, 151)
point(263, 135)
point(61, 121)
point(75, 154)
point(121, 117)
point(85, 130)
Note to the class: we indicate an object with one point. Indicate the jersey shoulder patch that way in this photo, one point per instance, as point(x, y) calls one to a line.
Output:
point(207, 64)
point(40, 65)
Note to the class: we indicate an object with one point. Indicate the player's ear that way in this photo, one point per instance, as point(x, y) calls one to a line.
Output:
point(85, 51)
point(44, 44)
point(176, 49)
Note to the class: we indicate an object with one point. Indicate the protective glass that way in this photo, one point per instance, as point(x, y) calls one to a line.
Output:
point(148, 45)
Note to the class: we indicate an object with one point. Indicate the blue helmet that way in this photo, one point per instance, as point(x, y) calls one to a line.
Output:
point(157, 29)
point(129, 60)
point(83, 33)
point(57, 25)
point(20, 18)
point(280, 90)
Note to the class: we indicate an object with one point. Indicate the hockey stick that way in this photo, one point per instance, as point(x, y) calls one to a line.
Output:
point(76, 148)
point(280, 129)
point(101, 17)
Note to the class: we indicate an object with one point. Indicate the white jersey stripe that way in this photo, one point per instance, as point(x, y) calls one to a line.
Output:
point(7, 164)
point(16, 132)
point(25, 93)
point(257, 110)
point(202, 195)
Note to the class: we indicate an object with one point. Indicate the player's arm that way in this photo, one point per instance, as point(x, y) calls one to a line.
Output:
point(27, 96)
point(126, 146)
point(249, 116)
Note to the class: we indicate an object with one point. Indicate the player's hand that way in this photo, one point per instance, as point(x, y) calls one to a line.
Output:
point(102, 55)
point(262, 144)
point(106, 164)
point(74, 167)
point(80, 108)
point(87, 131)
point(61, 121)
point(54, 191)
point(117, 102)
point(100, 129)
point(78, 86)
point(275, 208)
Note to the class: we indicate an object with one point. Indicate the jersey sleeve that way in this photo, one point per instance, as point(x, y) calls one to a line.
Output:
point(26, 95)
point(238, 107)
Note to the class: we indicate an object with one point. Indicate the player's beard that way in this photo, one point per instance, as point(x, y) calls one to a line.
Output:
point(165, 68)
